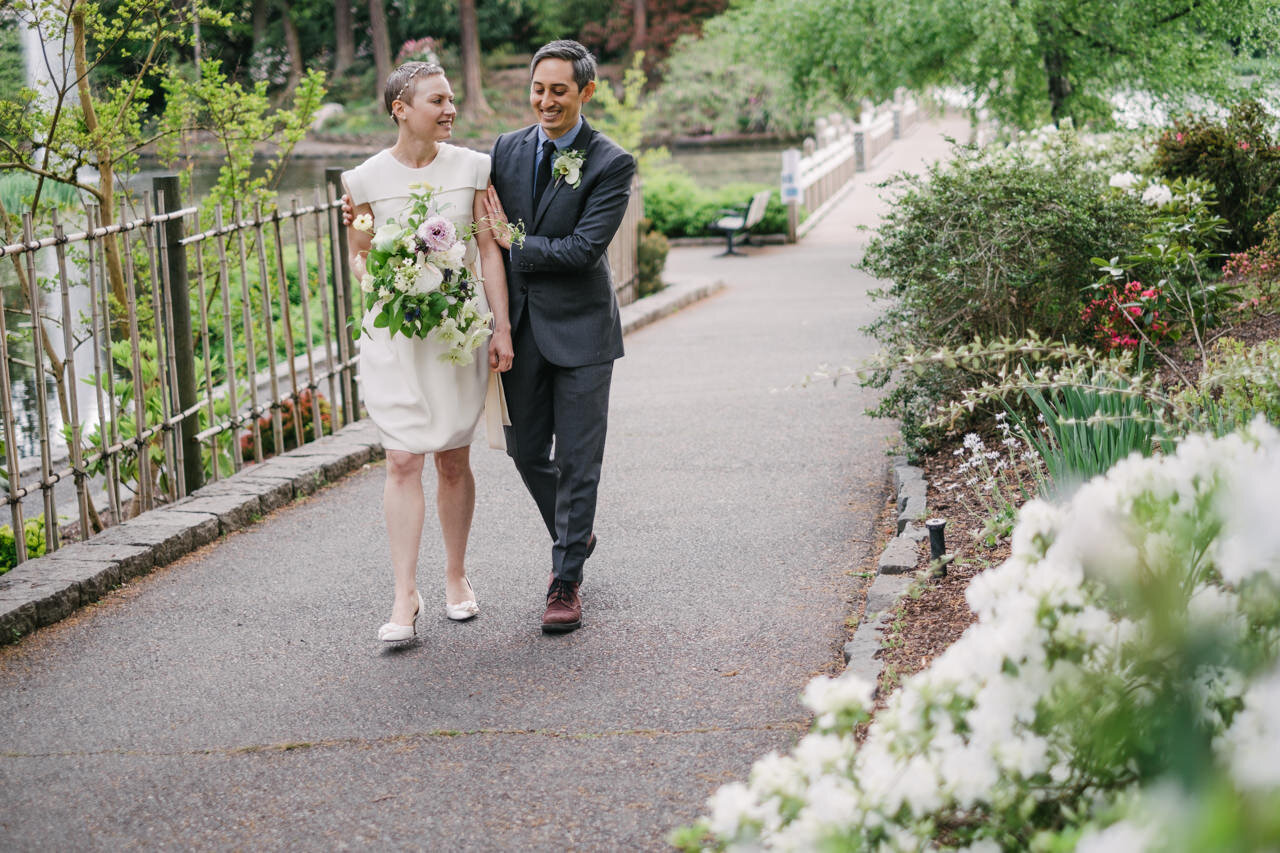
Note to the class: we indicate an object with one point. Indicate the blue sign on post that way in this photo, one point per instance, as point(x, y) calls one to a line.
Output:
point(790, 176)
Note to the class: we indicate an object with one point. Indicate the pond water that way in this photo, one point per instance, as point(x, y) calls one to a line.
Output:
point(712, 167)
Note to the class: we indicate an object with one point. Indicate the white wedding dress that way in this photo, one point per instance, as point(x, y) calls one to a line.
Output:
point(419, 403)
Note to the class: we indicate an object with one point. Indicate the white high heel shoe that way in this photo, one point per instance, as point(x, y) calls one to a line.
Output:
point(464, 610)
point(393, 633)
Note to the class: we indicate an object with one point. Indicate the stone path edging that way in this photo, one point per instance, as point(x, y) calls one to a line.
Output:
point(39, 592)
point(896, 572)
point(46, 589)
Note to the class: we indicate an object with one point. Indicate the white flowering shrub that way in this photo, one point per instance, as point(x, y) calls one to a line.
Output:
point(1119, 690)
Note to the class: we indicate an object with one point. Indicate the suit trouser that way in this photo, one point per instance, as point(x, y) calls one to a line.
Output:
point(571, 406)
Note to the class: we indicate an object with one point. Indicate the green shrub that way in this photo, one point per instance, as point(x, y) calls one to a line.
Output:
point(651, 258)
point(1238, 384)
point(1239, 156)
point(679, 207)
point(716, 84)
point(34, 529)
point(988, 245)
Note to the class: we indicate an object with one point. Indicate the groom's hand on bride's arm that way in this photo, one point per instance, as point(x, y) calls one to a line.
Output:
point(348, 211)
point(496, 218)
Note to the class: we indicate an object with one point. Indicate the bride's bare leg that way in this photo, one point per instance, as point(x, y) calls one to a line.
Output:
point(404, 508)
point(456, 503)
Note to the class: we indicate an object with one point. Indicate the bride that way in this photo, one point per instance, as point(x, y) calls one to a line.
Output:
point(419, 403)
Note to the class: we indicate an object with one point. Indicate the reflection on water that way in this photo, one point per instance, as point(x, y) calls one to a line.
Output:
point(23, 383)
point(712, 167)
point(716, 167)
point(300, 177)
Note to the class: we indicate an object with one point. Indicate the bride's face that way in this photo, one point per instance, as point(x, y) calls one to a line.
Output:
point(430, 112)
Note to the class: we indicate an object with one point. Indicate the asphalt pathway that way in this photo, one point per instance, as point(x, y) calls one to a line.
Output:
point(238, 699)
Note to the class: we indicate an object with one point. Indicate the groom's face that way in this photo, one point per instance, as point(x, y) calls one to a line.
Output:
point(555, 97)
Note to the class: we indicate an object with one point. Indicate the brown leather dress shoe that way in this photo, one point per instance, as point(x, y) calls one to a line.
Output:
point(564, 608)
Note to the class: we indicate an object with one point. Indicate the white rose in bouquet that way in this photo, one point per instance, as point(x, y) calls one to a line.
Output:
point(450, 258)
point(427, 279)
point(384, 239)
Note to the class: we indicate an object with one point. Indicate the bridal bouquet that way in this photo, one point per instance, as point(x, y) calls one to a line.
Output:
point(416, 282)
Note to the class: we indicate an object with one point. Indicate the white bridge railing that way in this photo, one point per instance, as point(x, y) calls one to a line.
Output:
point(816, 175)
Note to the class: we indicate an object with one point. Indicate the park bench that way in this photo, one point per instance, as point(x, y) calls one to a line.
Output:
point(733, 222)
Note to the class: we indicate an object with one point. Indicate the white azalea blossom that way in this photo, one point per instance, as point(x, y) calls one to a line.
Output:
point(1252, 745)
point(1124, 180)
point(1122, 837)
point(978, 734)
point(363, 222)
point(1157, 195)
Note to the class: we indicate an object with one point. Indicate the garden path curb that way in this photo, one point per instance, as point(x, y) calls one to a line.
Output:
point(896, 572)
point(667, 301)
point(41, 591)
point(47, 589)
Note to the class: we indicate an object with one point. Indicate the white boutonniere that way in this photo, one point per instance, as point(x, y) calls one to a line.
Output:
point(568, 165)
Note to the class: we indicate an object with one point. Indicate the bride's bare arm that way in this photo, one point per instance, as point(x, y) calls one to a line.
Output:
point(358, 242)
point(501, 351)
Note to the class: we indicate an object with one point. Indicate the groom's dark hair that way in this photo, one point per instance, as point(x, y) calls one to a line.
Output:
point(584, 63)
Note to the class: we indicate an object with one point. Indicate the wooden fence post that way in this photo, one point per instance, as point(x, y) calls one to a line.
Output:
point(167, 188)
point(342, 304)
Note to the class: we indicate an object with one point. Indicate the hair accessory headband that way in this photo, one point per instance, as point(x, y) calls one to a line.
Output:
point(415, 73)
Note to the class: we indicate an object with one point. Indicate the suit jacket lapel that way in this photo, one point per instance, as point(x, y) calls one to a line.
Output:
point(580, 143)
point(523, 207)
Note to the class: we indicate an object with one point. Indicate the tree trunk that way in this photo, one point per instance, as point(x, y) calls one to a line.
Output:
point(344, 37)
point(259, 24)
point(105, 158)
point(475, 103)
point(381, 45)
point(293, 45)
point(1055, 66)
point(640, 26)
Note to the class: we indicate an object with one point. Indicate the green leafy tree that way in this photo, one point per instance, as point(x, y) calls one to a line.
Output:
point(1026, 61)
point(109, 69)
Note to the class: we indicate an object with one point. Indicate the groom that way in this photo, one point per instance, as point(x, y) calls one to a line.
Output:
point(570, 185)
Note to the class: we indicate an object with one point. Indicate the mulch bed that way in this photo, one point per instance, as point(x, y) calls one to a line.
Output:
point(925, 625)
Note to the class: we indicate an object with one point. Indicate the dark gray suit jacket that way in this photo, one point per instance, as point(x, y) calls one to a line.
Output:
point(561, 275)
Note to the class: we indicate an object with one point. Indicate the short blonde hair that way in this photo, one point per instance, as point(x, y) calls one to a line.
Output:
point(405, 80)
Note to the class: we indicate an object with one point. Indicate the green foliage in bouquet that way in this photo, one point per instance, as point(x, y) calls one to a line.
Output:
point(416, 282)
